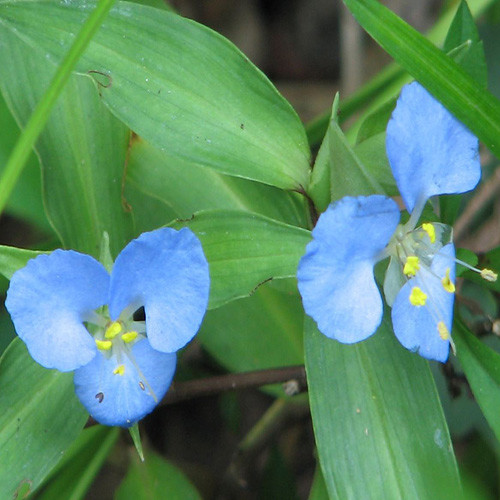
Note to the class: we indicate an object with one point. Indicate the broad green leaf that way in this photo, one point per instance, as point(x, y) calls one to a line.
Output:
point(481, 366)
point(40, 417)
point(80, 464)
point(372, 154)
point(148, 213)
point(82, 150)
point(177, 84)
point(378, 422)
point(189, 188)
point(26, 199)
point(245, 250)
point(375, 123)
point(444, 78)
point(258, 332)
point(318, 488)
point(348, 174)
point(12, 259)
point(38, 119)
point(463, 30)
point(338, 168)
point(7, 332)
point(319, 187)
point(153, 479)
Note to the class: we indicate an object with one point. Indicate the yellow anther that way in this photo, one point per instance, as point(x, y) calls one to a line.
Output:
point(113, 330)
point(489, 275)
point(429, 229)
point(119, 370)
point(444, 333)
point(447, 283)
point(417, 297)
point(104, 345)
point(129, 336)
point(411, 265)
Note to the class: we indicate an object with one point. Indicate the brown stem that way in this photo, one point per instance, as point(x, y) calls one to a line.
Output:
point(180, 391)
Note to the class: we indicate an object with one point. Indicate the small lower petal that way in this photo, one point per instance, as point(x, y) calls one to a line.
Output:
point(420, 328)
point(115, 393)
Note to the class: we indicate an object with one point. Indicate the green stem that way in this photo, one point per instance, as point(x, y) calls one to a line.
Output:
point(38, 119)
point(265, 425)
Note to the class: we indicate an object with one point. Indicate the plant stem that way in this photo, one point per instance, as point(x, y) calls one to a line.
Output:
point(180, 391)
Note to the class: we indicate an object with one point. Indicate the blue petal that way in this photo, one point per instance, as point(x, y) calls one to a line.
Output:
point(166, 272)
point(48, 301)
point(429, 150)
point(335, 276)
point(121, 400)
point(416, 327)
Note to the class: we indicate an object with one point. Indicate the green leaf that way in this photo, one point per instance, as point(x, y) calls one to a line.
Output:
point(377, 419)
point(372, 154)
point(41, 112)
point(179, 85)
point(472, 59)
point(245, 250)
point(12, 259)
point(348, 174)
point(375, 123)
point(338, 171)
point(444, 78)
point(26, 199)
point(82, 150)
point(155, 478)
point(463, 30)
point(80, 464)
point(40, 417)
point(258, 332)
point(189, 188)
point(318, 488)
point(319, 187)
point(481, 366)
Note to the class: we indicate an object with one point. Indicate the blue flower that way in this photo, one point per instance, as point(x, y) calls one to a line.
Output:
point(73, 315)
point(430, 153)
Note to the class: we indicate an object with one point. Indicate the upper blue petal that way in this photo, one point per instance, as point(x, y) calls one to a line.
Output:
point(48, 301)
point(429, 150)
point(416, 327)
point(122, 400)
point(166, 272)
point(335, 276)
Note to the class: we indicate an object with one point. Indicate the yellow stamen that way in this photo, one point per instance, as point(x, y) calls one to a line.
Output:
point(429, 229)
point(447, 283)
point(113, 330)
point(417, 297)
point(104, 345)
point(119, 370)
point(411, 265)
point(489, 275)
point(444, 333)
point(129, 336)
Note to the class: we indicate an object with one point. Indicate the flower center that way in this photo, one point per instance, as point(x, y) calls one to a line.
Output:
point(413, 253)
point(115, 339)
